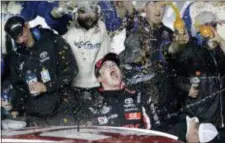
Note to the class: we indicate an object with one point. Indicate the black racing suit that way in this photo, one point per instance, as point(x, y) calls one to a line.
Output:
point(122, 108)
point(50, 52)
point(195, 61)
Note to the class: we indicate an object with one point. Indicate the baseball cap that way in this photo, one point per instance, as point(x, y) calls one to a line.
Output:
point(206, 17)
point(14, 26)
point(207, 132)
point(108, 57)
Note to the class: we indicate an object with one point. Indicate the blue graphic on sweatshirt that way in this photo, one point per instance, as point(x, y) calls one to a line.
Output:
point(87, 45)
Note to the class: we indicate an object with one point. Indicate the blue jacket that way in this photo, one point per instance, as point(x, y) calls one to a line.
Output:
point(188, 23)
point(187, 18)
point(108, 11)
point(32, 9)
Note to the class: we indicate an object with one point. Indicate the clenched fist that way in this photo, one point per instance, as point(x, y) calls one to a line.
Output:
point(37, 88)
point(193, 92)
point(181, 38)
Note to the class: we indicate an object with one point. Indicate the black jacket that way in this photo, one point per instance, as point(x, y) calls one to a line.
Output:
point(123, 108)
point(143, 44)
point(49, 52)
point(144, 65)
point(208, 66)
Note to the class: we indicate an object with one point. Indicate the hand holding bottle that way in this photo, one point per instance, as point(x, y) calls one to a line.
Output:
point(65, 7)
point(194, 90)
point(180, 32)
point(181, 37)
point(6, 105)
point(37, 88)
point(5, 100)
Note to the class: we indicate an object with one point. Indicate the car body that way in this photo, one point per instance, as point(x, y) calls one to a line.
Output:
point(97, 134)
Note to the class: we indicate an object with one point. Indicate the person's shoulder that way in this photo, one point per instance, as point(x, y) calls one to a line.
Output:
point(50, 35)
point(42, 33)
point(165, 28)
point(48, 32)
point(101, 23)
point(102, 26)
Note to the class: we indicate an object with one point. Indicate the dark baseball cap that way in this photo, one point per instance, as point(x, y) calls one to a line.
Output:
point(108, 57)
point(14, 26)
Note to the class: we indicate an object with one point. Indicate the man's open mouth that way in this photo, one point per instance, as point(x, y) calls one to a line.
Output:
point(114, 74)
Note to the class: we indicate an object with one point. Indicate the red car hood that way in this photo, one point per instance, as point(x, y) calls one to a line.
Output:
point(89, 134)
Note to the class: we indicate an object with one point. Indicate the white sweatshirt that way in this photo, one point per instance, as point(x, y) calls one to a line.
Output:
point(88, 47)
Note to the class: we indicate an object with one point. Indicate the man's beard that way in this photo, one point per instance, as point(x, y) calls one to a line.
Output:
point(87, 23)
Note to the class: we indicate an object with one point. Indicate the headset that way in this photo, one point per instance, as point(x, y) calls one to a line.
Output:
point(19, 49)
point(36, 32)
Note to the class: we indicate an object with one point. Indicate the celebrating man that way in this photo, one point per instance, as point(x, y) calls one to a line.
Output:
point(41, 69)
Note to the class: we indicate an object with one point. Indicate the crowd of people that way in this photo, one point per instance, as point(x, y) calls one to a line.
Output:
point(170, 80)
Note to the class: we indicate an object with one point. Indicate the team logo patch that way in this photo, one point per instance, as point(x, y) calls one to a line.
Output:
point(44, 56)
point(133, 116)
point(128, 101)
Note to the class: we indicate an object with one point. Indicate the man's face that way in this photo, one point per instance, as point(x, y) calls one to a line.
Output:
point(110, 74)
point(88, 18)
point(155, 12)
point(25, 38)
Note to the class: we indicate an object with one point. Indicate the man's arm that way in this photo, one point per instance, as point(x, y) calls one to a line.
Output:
point(179, 41)
point(66, 66)
point(32, 9)
point(111, 14)
point(105, 45)
point(44, 10)
point(171, 53)
point(112, 21)
point(19, 90)
point(150, 116)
